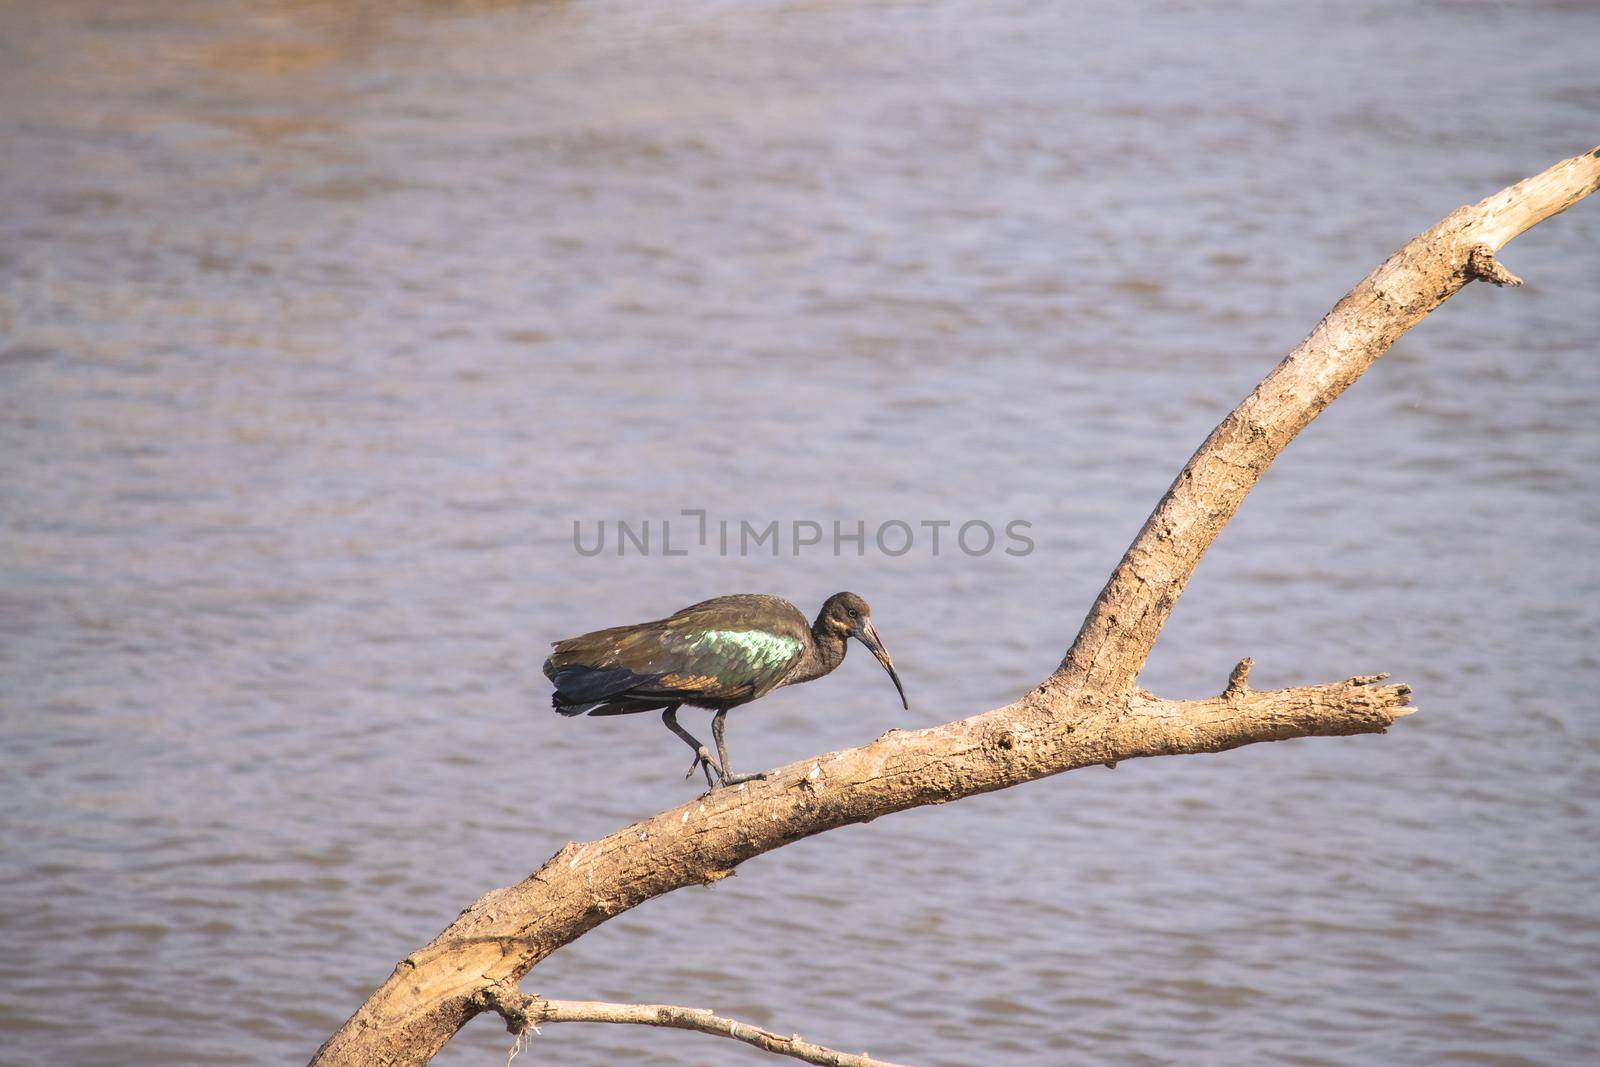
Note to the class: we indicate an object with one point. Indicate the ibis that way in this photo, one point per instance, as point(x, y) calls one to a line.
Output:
point(717, 654)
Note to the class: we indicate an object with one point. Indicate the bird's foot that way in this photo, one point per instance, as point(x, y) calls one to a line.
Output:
point(740, 779)
point(703, 760)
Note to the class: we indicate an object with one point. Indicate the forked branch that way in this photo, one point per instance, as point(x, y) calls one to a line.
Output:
point(1088, 712)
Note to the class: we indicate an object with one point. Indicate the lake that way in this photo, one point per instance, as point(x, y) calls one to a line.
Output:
point(322, 324)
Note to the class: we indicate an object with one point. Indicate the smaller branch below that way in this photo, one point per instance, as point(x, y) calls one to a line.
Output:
point(523, 1012)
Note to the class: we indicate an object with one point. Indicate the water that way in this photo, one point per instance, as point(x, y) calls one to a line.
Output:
point(321, 323)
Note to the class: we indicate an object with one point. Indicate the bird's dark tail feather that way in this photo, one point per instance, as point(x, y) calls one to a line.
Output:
point(606, 707)
point(588, 691)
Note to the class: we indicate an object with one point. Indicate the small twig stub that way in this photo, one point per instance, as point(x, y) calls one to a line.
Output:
point(1483, 264)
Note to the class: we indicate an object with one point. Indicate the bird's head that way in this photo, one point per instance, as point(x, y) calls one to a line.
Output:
point(847, 615)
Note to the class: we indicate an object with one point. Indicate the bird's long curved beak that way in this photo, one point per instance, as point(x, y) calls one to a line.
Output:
point(869, 637)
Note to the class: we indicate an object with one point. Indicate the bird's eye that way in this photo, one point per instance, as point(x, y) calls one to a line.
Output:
point(852, 613)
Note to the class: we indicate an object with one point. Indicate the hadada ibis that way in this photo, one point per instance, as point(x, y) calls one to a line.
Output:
point(717, 654)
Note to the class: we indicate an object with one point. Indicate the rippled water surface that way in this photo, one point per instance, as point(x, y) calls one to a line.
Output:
point(320, 323)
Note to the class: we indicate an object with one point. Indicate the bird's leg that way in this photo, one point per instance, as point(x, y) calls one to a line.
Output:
point(722, 754)
point(702, 755)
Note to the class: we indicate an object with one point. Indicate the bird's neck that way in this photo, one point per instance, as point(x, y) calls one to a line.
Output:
point(826, 652)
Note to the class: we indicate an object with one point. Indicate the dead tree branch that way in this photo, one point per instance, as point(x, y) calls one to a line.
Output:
point(524, 1014)
point(1089, 711)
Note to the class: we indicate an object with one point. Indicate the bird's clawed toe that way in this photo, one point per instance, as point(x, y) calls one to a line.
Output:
point(740, 779)
point(703, 760)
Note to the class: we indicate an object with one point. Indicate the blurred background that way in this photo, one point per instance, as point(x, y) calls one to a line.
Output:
point(321, 323)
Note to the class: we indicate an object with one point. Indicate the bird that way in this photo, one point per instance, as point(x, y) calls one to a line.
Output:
point(716, 654)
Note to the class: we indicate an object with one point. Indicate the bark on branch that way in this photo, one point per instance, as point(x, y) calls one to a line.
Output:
point(1089, 711)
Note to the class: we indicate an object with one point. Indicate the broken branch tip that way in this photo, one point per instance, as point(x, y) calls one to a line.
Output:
point(1481, 263)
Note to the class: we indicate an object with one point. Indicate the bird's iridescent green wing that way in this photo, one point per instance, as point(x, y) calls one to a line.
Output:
point(730, 664)
point(716, 662)
point(747, 643)
point(729, 649)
